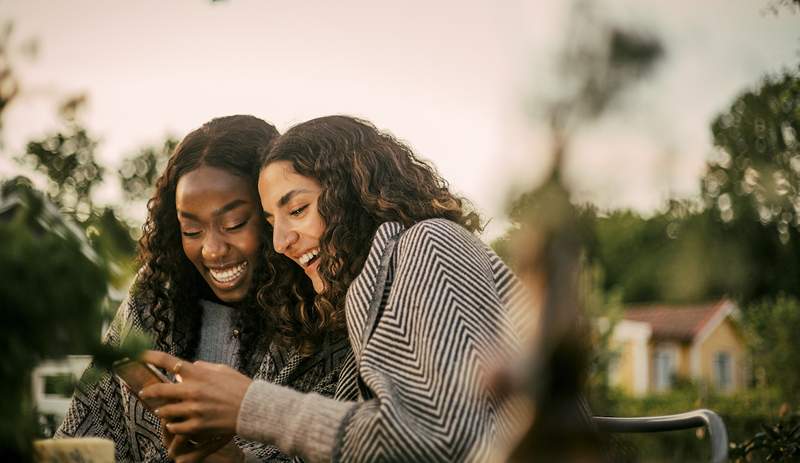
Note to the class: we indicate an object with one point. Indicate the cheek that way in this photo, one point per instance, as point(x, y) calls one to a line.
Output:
point(191, 249)
point(318, 225)
point(250, 242)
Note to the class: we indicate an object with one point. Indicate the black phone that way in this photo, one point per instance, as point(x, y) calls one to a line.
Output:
point(135, 375)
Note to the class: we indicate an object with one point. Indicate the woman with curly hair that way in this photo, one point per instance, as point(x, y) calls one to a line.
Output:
point(428, 308)
point(201, 256)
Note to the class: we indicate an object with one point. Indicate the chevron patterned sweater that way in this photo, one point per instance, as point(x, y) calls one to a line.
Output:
point(103, 407)
point(429, 317)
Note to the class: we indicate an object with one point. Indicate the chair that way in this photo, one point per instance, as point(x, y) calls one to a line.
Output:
point(718, 435)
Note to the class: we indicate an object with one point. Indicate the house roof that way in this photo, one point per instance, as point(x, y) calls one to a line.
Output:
point(677, 322)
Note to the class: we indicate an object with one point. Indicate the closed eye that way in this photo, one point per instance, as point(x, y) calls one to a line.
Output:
point(298, 211)
point(237, 226)
point(190, 234)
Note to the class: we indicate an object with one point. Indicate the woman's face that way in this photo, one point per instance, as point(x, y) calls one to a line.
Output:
point(220, 229)
point(289, 201)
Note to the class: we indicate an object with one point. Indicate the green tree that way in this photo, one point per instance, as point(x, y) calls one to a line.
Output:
point(139, 172)
point(68, 160)
point(45, 315)
point(772, 326)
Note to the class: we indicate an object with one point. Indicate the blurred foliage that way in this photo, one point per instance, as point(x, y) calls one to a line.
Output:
point(599, 63)
point(605, 309)
point(744, 414)
point(772, 326)
point(44, 314)
point(776, 442)
point(756, 171)
point(676, 256)
point(776, 6)
point(67, 158)
point(139, 172)
point(9, 50)
point(741, 239)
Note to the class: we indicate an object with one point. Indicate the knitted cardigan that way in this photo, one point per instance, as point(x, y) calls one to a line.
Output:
point(103, 407)
point(430, 317)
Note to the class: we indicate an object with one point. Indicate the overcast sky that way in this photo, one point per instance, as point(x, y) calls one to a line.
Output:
point(456, 79)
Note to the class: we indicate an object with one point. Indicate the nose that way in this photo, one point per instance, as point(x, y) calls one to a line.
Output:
point(214, 247)
point(283, 239)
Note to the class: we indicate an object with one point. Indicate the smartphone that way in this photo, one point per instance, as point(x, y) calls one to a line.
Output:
point(135, 375)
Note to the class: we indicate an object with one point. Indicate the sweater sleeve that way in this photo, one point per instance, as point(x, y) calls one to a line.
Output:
point(442, 330)
point(440, 336)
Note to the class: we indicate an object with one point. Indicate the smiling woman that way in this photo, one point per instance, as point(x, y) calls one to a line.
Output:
point(220, 229)
point(201, 255)
point(428, 309)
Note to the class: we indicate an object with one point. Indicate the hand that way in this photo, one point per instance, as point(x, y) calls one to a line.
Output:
point(205, 403)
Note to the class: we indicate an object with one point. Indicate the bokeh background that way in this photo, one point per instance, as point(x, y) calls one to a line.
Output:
point(675, 127)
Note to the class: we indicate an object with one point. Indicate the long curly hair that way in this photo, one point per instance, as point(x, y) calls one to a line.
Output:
point(368, 177)
point(168, 286)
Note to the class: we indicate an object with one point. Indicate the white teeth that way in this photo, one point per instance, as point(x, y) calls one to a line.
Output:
point(308, 256)
point(228, 274)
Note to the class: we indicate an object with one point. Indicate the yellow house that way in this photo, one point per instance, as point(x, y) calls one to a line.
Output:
point(658, 343)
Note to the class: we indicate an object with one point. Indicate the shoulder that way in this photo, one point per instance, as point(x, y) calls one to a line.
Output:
point(441, 236)
point(436, 229)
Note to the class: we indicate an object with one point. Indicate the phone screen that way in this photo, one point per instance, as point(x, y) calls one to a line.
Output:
point(136, 375)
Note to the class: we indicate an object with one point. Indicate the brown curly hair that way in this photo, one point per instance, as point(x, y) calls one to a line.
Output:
point(368, 177)
point(168, 287)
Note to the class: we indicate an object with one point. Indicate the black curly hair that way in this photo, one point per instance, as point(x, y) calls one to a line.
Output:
point(168, 286)
point(368, 177)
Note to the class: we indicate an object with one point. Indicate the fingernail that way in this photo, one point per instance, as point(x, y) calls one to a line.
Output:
point(156, 411)
point(140, 392)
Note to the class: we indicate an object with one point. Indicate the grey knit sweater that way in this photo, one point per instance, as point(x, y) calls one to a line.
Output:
point(429, 316)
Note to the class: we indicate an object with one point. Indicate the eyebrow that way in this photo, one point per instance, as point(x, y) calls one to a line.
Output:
point(226, 208)
point(286, 198)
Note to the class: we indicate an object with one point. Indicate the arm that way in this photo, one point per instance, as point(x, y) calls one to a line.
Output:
point(429, 357)
point(426, 363)
point(440, 335)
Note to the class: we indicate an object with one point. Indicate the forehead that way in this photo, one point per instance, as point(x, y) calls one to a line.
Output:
point(210, 187)
point(279, 178)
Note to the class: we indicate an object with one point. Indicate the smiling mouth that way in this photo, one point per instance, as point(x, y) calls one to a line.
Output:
point(308, 258)
point(227, 275)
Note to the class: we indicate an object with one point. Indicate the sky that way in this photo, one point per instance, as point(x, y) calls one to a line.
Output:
point(463, 82)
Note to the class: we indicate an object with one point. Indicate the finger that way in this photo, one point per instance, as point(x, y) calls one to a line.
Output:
point(190, 426)
point(159, 359)
point(168, 362)
point(206, 366)
point(164, 391)
point(174, 411)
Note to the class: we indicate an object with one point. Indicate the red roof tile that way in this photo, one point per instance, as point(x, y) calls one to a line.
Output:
point(680, 323)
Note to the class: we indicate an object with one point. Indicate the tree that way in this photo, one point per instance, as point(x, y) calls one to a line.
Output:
point(756, 173)
point(139, 172)
point(68, 160)
point(772, 326)
point(45, 315)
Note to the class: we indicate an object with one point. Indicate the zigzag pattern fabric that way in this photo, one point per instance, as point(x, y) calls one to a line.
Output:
point(102, 407)
point(447, 316)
